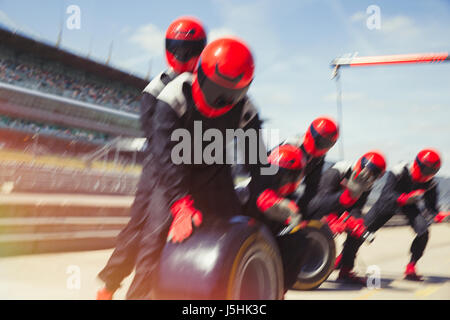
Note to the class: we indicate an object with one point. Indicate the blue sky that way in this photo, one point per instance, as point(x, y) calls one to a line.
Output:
point(396, 109)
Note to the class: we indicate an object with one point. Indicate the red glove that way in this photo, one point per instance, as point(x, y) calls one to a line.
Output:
point(410, 198)
point(346, 199)
point(356, 226)
point(336, 226)
point(441, 216)
point(184, 215)
point(331, 218)
point(277, 208)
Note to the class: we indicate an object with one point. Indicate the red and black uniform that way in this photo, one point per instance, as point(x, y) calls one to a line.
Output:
point(269, 193)
point(149, 96)
point(269, 202)
point(405, 186)
point(345, 188)
point(123, 259)
point(185, 40)
point(320, 137)
point(333, 196)
point(176, 191)
point(313, 174)
point(400, 185)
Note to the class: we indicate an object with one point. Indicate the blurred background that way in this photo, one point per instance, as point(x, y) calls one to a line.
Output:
point(71, 74)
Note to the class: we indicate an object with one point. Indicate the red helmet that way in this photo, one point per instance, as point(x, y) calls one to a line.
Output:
point(224, 73)
point(426, 165)
point(185, 40)
point(291, 162)
point(374, 161)
point(321, 136)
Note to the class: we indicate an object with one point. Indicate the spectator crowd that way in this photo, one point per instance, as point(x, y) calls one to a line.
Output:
point(54, 130)
point(52, 77)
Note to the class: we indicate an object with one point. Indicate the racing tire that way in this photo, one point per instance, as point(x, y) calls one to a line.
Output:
point(320, 259)
point(227, 260)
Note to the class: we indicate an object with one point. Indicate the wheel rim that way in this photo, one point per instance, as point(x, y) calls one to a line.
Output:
point(255, 280)
point(318, 256)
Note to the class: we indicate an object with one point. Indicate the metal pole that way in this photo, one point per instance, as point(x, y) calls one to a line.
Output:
point(339, 113)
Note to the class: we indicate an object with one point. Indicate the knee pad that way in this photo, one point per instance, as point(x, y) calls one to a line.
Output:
point(423, 233)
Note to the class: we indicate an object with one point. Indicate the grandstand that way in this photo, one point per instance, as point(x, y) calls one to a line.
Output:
point(46, 91)
point(70, 148)
point(39, 66)
point(50, 92)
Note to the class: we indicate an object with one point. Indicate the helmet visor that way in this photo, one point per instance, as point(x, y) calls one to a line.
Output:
point(185, 50)
point(426, 170)
point(217, 96)
point(374, 169)
point(320, 141)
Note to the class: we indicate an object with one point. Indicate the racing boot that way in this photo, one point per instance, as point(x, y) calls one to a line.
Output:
point(349, 277)
point(104, 294)
point(410, 272)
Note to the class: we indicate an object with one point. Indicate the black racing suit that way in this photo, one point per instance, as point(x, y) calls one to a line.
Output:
point(123, 259)
point(293, 247)
point(398, 182)
point(149, 96)
point(311, 180)
point(163, 181)
point(330, 200)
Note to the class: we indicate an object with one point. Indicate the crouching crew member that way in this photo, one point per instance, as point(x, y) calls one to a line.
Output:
point(269, 202)
point(345, 188)
point(320, 137)
point(406, 185)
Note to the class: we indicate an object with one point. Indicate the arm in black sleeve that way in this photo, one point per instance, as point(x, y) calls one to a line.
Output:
point(258, 182)
point(251, 166)
point(149, 96)
point(311, 183)
point(327, 200)
point(387, 202)
point(431, 199)
point(148, 102)
point(356, 210)
point(172, 177)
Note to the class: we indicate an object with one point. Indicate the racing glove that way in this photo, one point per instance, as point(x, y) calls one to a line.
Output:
point(184, 216)
point(277, 208)
point(334, 223)
point(410, 198)
point(357, 185)
point(441, 216)
point(356, 227)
